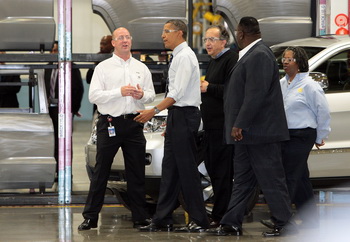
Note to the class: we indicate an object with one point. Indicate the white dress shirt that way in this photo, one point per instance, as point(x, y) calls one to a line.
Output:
point(242, 52)
point(108, 78)
point(184, 78)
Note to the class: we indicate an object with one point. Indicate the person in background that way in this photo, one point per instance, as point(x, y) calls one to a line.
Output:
point(218, 155)
point(179, 166)
point(303, 97)
point(106, 47)
point(119, 87)
point(51, 84)
point(256, 124)
point(8, 94)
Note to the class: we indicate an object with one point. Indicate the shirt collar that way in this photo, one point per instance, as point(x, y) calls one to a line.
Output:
point(179, 48)
point(221, 53)
point(120, 59)
point(247, 48)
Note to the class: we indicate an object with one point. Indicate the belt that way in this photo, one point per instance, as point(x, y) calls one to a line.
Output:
point(123, 116)
point(128, 116)
point(178, 107)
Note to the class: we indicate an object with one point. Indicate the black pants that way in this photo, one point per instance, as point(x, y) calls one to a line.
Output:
point(295, 153)
point(130, 138)
point(179, 168)
point(262, 164)
point(219, 164)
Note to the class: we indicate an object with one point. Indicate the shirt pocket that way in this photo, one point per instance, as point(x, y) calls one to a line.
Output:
point(137, 78)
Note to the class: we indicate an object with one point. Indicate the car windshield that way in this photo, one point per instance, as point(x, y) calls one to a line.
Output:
point(278, 51)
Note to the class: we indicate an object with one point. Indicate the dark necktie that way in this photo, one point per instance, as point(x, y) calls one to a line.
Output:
point(167, 80)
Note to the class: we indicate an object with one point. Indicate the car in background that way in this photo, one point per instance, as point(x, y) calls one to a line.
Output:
point(329, 64)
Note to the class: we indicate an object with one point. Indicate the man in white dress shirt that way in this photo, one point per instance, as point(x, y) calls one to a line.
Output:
point(120, 86)
point(179, 168)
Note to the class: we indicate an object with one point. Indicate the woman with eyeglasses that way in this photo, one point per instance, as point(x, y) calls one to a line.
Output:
point(308, 119)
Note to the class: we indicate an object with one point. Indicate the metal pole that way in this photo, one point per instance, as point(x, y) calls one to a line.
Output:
point(61, 102)
point(64, 101)
point(68, 98)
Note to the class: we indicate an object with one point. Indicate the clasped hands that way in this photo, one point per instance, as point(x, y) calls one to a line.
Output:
point(135, 92)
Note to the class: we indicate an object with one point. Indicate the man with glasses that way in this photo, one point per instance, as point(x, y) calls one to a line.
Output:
point(255, 122)
point(179, 166)
point(218, 156)
point(120, 85)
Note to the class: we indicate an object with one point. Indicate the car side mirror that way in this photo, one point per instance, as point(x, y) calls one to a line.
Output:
point(321, 79)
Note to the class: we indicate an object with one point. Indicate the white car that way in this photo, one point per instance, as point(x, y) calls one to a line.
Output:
point(328, 63)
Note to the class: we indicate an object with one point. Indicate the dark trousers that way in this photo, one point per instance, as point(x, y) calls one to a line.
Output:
point(179, 168)
point(262, 164)
point(219, 164)
point(130, 138)
point(295, 153)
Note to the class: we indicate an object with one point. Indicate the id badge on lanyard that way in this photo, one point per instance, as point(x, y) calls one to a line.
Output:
point(111, 129)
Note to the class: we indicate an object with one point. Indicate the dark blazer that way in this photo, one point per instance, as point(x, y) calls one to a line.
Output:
point(253, 99)
point(77, 87)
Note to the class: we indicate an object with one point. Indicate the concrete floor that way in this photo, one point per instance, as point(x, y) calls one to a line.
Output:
point(37, 217)
point(56, 223)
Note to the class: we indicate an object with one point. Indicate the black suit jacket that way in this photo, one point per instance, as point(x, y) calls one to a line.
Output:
point(77, 87)
point(253, 99)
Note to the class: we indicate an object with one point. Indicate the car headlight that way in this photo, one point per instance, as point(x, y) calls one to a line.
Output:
point(156, 124)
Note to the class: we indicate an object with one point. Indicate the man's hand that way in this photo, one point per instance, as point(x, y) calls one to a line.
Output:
point(138, 93)
point(145, 115)
point(236, 133)
point(128, 90)
point(319, 145)
point(204, 86)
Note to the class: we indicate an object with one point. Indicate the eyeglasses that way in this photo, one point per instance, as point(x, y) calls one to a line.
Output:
point(288, 60)
point(211, 39)
point(167, 31)
point(122, 37)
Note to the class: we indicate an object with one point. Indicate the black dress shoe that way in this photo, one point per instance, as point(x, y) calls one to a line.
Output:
point(280, 231)
point(87, 224)
point(152, 227)
point(214, 224)
point(224, 230)
point(268, 223)
point(192, 227)
point(141, 223)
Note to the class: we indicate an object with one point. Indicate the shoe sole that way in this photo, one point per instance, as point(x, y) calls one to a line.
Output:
point(157, 230)
point(91, 227)
point(190, 231)
point(267, 225)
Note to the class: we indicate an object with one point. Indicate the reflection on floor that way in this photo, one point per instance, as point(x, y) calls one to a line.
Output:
point(54, 223)
point(42, 220)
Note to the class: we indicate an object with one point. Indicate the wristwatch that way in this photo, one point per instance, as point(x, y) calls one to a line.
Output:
point(156, 110)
